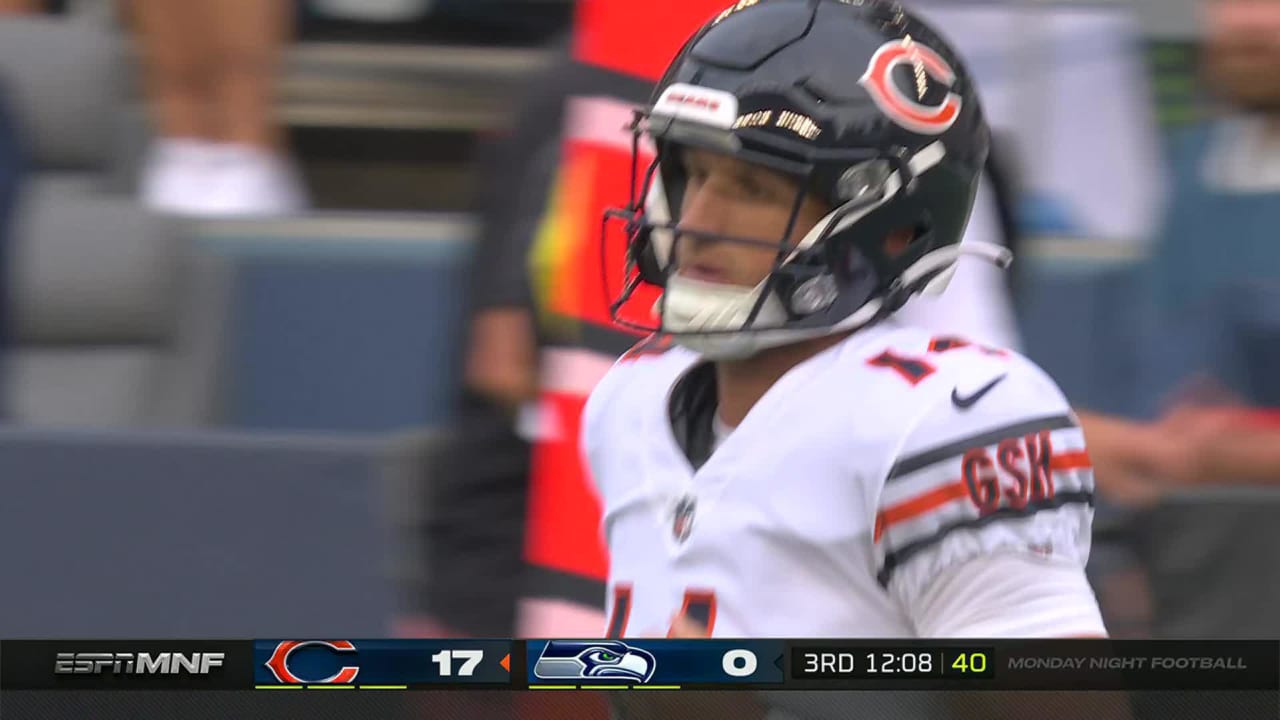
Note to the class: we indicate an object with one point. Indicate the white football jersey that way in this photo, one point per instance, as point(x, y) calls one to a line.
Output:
point(859, 477)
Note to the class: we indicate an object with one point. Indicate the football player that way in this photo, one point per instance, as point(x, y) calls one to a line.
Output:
point(784, 458)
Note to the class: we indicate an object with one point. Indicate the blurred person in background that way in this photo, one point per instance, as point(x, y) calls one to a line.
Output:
point(211, 68)
point(476, 561)
point(1214, 283)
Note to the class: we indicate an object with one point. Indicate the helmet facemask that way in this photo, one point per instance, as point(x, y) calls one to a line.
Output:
point(830, 280)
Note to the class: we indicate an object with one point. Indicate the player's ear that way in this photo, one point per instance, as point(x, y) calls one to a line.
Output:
point(897, 241)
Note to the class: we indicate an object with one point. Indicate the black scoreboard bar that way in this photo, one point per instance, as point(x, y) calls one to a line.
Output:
point(407, 664)
point(1058, 665)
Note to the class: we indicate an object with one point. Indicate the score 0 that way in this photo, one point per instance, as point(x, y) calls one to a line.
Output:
point(739, 663)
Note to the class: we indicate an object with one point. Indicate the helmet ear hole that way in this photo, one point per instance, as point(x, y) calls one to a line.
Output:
point(643, 255)
point(852, 267)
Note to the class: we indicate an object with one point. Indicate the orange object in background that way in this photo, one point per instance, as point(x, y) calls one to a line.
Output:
point(638, 38)
point(633, 41)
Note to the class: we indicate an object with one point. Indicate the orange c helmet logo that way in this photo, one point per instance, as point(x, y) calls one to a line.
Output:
point(904, 110)
point(279, 662)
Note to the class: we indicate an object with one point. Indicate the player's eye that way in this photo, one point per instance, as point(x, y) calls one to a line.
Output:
point(768, 187)
point(753, 190)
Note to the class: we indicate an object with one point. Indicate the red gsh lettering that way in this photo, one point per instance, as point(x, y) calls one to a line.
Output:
point(1020, 474)
point(1039, 457)
point(980, 478)
point(1010, 455)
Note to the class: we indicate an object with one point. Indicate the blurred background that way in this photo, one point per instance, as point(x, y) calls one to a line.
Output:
point(291, 286)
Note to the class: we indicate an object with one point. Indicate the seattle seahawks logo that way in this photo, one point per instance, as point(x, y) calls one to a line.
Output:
point(601, 660)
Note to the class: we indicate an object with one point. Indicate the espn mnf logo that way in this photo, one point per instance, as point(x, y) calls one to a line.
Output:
point(127, 663)
point(169, 664)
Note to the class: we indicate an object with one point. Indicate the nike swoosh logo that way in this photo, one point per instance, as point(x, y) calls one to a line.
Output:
point(966, 402)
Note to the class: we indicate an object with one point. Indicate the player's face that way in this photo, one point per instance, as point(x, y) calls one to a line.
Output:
point(1243, 50)
point(727, 196)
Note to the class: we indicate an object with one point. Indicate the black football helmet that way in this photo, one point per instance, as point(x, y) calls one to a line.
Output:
point(863, 104)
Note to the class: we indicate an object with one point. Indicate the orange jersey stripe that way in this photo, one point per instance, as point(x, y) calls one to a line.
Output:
point(1070, 460)
point(936, 498)
point(919, 505)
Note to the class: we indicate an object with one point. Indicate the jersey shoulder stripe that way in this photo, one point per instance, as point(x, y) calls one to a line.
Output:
point(918, 461)
point(925, 502)
point(914, 505)
point(1011, 473)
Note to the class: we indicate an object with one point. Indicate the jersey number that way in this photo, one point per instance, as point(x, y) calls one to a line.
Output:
point(699, 606)
point(913, 369)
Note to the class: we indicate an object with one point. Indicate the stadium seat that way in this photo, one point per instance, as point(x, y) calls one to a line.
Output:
point(100, 329)
point(112, 328)
point(67, 78)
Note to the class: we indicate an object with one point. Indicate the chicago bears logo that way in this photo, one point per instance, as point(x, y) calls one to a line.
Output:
point(278, 663)
point(904, 110)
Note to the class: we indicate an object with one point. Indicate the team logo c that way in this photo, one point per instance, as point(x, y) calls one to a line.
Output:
point(902, 109)
point(278, 664)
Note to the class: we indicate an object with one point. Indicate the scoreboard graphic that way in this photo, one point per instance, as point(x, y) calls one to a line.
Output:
point(381, 664)
point(639, 664)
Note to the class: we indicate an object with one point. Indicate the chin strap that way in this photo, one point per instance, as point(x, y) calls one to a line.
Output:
point(929, 275)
